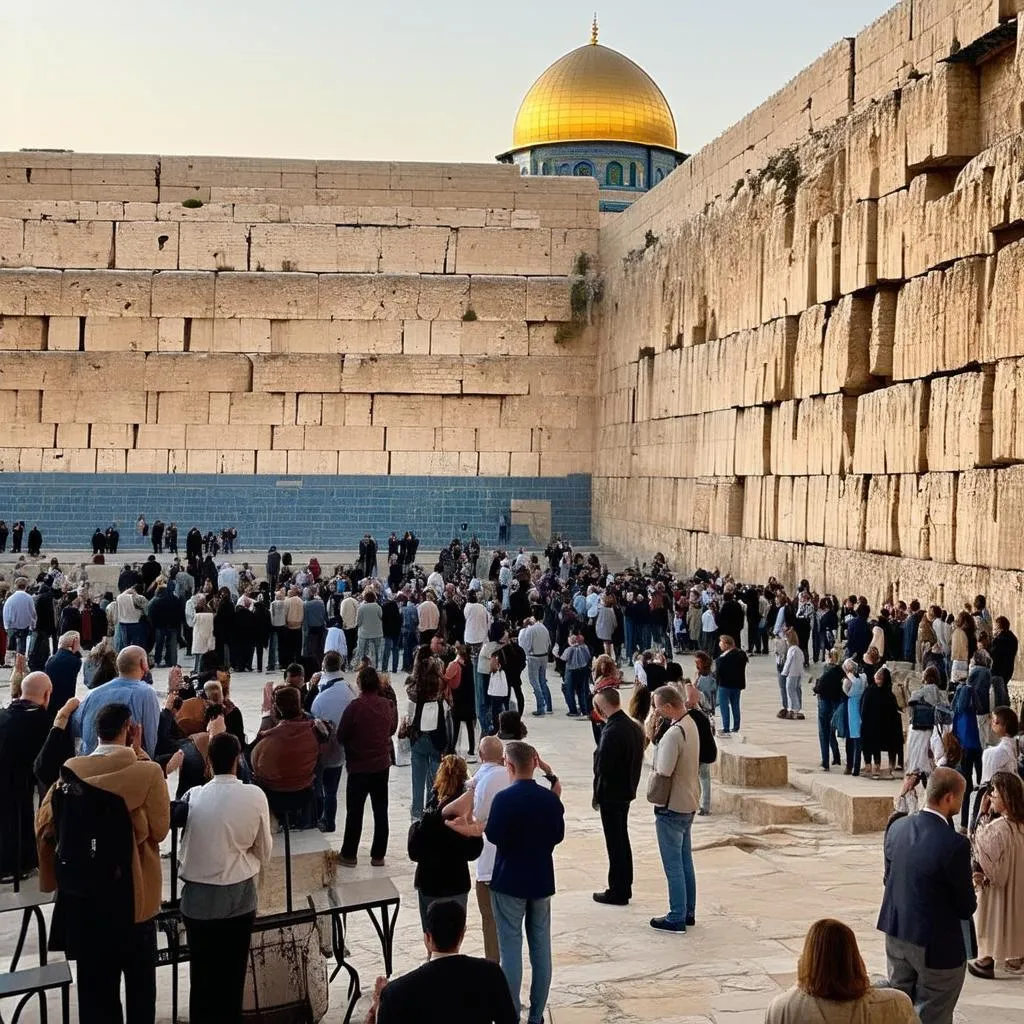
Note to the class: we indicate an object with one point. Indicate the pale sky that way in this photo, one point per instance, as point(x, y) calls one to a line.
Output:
point(386, 79)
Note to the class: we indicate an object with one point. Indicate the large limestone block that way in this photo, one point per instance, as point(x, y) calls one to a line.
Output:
point(434, 463)
point(367, 337)
point(68, 370)
point(441, 297)
point(498, 298)
point(409, 439)
point(198, 371)
point(270, 296)
point(272, 372)
point(828, 266)
point(940, 113)
point(809, 352)
point(882, 522)
point(111, 435)
point(547, 298)
point(751, 767)
point(453, 439)
point(368, 297)
point(416, 337)
point(120, 334)
point(977, 529)
point(522, 410)
point(399, 374)
point(504, 250)
point(363, 439)
point(243, 335)
point(304, 247)
point(256, 408)
point(71, 244)
point(29, 292)
point(12, 239)
point(859, 247)
point(183, 407)
point(419, 250)
point(24, 333)
point(883, 331)
point(183, 294)
point(855, 804)
point(1006, 303)
point(407, 410)
point(480, 411)
point(147, 460)
point(228, 436)
point(170, 334)
point(111, 460)
point(960, 421)
point(493, 464)
point(159, 435)
point(375, 463)
point(927, 516)
point(213, 246)
point(72, 435)
point(846, 362)
point(769, 360)
point(891, 430)
point(105, 293)
point(753, 441)
point(143, 245)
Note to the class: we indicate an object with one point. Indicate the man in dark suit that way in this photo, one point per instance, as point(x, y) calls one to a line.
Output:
point(617, 765)
point(450, 988)
point(929, 901)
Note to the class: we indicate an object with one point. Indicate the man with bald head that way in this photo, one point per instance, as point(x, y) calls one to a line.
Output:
point(490, 779)
point(24, 725)
point(929, 901)
point(130, 687)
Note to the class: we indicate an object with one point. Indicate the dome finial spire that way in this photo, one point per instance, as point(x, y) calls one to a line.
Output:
point(593, 31)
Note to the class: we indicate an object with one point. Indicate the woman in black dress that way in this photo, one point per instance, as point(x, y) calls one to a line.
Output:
point(881, 726)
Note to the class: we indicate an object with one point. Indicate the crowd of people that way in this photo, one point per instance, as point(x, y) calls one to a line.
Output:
point(468, 634)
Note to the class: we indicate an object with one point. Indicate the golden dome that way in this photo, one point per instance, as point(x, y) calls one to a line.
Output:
point(594, 94)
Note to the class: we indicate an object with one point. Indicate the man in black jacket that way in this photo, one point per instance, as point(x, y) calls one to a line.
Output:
point(449, 988)
point(617, 765)
point(1003, 650)
point(730, 617)
point(929, 901)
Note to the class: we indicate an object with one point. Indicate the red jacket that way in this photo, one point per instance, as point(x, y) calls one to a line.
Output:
point(365, 731)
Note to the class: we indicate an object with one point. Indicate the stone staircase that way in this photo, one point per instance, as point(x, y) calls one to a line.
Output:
point(758, 786)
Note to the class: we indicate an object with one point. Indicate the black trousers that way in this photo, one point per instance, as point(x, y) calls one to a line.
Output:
point(218, 956)
point(100, 968)
point(361, 785)
point(615, 822)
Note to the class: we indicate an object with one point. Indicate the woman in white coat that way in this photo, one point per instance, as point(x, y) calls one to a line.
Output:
point(202, 631)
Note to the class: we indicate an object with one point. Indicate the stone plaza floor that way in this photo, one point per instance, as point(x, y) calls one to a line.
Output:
point(758, 890)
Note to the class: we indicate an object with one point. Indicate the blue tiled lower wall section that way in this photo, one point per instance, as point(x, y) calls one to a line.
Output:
point(306, 512)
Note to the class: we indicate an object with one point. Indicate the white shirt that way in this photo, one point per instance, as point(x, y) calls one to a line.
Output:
point(1000, 758)
point(349, 612)
point(707, 622)
point(336, 641)
point(103, 749)
point(128, 606)
point(435, 582)
point(227, 838)
point(228, 577)
point(489, 780)
point(477, 623)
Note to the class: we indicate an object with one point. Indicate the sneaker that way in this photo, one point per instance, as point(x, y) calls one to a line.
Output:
point(472, 759)
point(377, 862)
point(782, 713)
point(538, 714)
point(348, 862)
point(610, 899)
point(703, 813)
point(799, 716)
point(690, 922)
point(663, 924)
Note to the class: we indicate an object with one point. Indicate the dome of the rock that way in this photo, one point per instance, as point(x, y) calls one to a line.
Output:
point(595, 113)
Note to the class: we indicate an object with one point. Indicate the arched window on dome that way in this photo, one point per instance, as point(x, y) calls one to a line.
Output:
point(564, 169)
point(632, 175)
point(613, 173)
point(545, 168)
point(584, 169)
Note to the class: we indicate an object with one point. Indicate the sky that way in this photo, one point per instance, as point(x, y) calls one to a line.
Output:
point(380, 80)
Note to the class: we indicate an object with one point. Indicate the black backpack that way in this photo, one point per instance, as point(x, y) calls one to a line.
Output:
point(708, 747)
point(95, 843)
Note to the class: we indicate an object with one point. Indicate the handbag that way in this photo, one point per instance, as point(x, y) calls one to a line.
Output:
point(659, 787)
point(497, 684)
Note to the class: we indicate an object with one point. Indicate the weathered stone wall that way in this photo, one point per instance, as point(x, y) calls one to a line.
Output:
point(811, 335)
point(309, 317)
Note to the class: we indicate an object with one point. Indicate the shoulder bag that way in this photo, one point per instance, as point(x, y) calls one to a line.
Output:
point(659, 787)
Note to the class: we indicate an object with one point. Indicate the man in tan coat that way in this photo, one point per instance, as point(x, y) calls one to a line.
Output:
point(86, 921)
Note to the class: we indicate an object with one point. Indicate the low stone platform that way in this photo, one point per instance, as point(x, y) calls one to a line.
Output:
point(855, 804)
point(742, 764)
point(767, 807)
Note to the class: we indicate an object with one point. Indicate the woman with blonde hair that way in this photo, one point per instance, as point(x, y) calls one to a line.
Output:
point(999, 877)
point(441, 854)
point(832, 985)
point(792, 671)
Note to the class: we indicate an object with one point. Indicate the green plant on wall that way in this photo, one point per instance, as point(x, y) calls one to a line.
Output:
point(586, 286)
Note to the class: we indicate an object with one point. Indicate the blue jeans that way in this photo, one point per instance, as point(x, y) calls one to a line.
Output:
point(674, 845)
point(272, 651)
point(329, 779)
point(537, 667)
point(826, 734)
point(729, 702)
point(391, 649)
point(577, 690)
point(631, 637)
point(426, 759)
point(783, 695)
point(795, 693)
point(368, 647)
point(408, 639)
point(510, 913)
point(166, 644)
point(483, 703)
point(704, 777)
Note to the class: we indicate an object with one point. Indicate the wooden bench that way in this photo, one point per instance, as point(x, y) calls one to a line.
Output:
point(337, 902)
point(37, 981)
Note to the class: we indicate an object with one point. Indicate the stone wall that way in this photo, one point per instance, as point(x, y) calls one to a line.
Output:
point(194, 315)
point(810, 337)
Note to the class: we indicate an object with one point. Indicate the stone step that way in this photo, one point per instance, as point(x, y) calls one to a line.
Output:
point(855, 804)
point(743, 764)
point(765, 807)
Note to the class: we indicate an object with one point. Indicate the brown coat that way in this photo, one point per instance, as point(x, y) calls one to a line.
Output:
point(284, 759)
point(141, 784)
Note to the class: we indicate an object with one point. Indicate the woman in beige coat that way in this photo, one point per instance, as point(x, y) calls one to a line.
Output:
point(832, 985)
point(999, 877)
